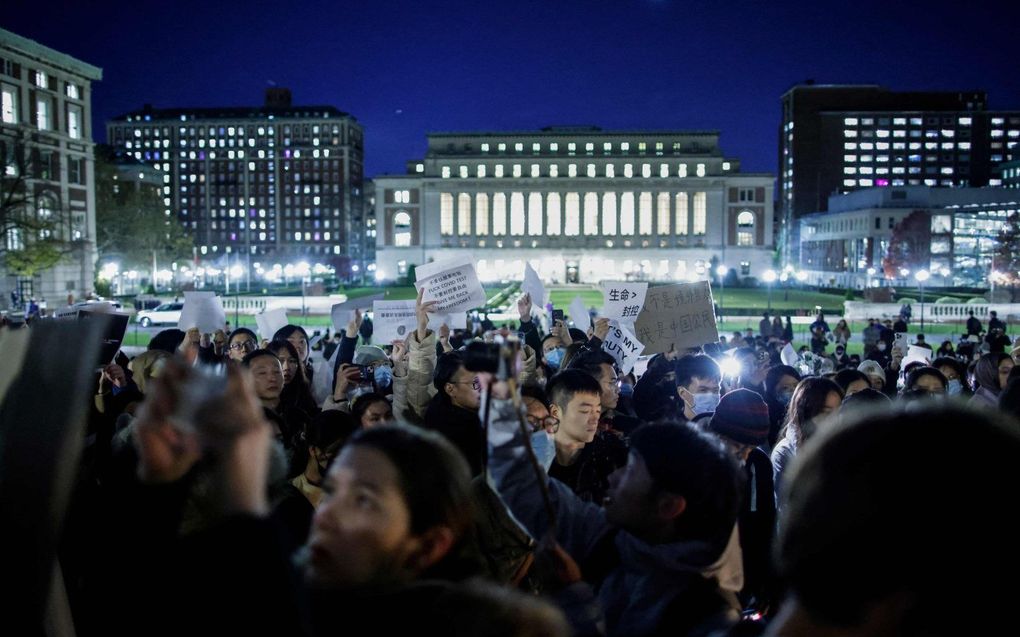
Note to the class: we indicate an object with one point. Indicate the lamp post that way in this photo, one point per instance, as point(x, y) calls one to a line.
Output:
point(922, 276)
point(871, 273)
point(770, 278)
point(721, 271)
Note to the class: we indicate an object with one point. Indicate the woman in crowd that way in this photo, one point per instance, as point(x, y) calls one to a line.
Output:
point(813, 401)
point(924, 382)
point(371, 410)
point(990, 374)
point(851, 381)
point(780, 383)
point(842, 333)
point(296, 392)
point(956, 375)
point(318, 374)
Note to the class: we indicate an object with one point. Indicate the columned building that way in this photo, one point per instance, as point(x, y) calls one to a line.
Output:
point(581, 204)
point(266, 184)
point(47, 152)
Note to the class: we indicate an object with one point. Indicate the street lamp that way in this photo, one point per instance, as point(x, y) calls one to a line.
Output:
point(922, 276)
point(871, 273)
point(770, 278)
point(721, 270)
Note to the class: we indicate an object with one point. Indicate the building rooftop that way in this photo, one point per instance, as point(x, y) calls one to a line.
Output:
point(46, 55)
point(147, 113)
point(919, 197)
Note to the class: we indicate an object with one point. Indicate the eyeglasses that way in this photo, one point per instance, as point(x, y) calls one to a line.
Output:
point(475, 383)
point(247, 345)
point(549, 422)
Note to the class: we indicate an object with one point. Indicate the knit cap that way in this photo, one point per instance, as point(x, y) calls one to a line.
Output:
point(741, 416)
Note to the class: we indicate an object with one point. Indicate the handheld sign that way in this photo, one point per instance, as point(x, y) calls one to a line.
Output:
point(202, 310)
point(623, 300)
point(676, 317)
point(533, 285)
point(454, 284)
point(579, 314)
point(621, 344)
point(270, 321)
point(392, 320)
point(341, 313)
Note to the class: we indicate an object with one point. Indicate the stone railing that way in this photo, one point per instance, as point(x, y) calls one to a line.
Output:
point(933, 312)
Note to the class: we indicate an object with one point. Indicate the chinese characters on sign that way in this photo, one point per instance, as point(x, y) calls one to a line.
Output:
point(454, 284)
point(392, 320)
point(623, 300)
point(677, 317)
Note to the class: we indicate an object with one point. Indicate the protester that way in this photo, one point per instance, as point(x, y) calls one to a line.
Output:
point(765, 326)
point(956, 376)
point(851, 381)
point(698, 380)
point(317, 372)
point(973, 324)
point(453, 411)
point(780, 383)
point(990, 377)
point(842, 332)
point(241, 343)
point(296, 392)
point(814, 400)
point(602, 367)
point(371, 410)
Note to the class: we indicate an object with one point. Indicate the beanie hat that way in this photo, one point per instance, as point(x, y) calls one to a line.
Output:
point(741, 416)
point(368, 354)
point(872, 370)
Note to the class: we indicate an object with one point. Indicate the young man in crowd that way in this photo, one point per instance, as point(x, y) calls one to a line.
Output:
point(601, 366)
point(698, 381)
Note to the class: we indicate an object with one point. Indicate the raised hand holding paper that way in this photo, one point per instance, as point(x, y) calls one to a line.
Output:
point(533, 285)
point(454, 285)
point(579, 314)
point(392, 320)
point(270, 321)
point(676, 317)
point(623, 300)
point(202, 310)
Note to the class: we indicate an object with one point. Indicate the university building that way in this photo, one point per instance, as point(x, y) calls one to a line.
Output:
point(258, 185)
point(580, 203)
point(838, 138)
point(47, 152)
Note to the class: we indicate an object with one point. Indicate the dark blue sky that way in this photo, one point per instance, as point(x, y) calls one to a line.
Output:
point(407, 67)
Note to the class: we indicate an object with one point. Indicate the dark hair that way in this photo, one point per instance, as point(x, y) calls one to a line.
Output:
point(917, 373)
point(684, 460)
point(532, 390)
point(250, 356)
point(864, 498)
point(698, 366)
point(986, 372)
point(808, 401)
point(562, 387)
point(363, 402)
point(167, 340)
point(591, 362)
point(287, 331)
point(434, 477)
point(446, 366)
point(776, 374)
point(569, 353)
point(243, 330)
point(845, 377)
point(276, 345)
point(958, 367)
point(577, 334)
point(865, 399)
point(328, 431)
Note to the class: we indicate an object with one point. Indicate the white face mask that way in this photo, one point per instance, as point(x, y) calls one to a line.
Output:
point(703, 402)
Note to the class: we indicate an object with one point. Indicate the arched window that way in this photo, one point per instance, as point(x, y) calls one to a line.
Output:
point(402, 229)
point(745, 228)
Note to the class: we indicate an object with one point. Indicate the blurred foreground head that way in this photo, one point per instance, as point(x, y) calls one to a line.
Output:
point(896, 523)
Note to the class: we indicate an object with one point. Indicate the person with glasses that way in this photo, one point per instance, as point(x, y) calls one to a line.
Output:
point(453, 411)
point(242, 342)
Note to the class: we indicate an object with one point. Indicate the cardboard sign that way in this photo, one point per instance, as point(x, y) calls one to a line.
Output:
point(392, 320)
point(622, 300)
point(271, 320)
point(622, 345)
point(579, 314)
point(676, 317)
point(533, 285)
point(202, 310)
point(454, 284)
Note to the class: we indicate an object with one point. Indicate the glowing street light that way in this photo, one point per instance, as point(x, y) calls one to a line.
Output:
point(770, 277)
point(922, 276)
point(721, 270)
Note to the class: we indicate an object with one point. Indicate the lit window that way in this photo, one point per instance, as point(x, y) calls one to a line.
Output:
point(463, 172)
point(499, 170)
point(849, 133)
point(610, 170)
point(535, 214)
point(867, 183)
point(682, 170)
point(10, 105)
point(996, 133)
point(964, 145)
point(572, 222)
point(998, 121)
point(499, 214)
point(627, 213)
point(850, 121)
point(850, 182)
point(572, 170)
point(519, 147)
point(517, 214)
point(609, 213)
point(480, 170)
point(591, 214)
point(726, 165)
point(645, 213)
point(589, 147)
point(40, 79)
point(401, 229)
point(446, 214)
point(947, 170)
point(628, 170)
point(642, 147)
point(590, 170)
point(554, 170)
point(554, 147)
point(535, 170)
point(664, 170)
point(42, 114)
point(700, 172)
point(571, 148)
point(850, 158)
point(446, 172)
point(646, 170)
point(485, 147)
point(681, 212)
point(72, 91)
point(624, 146)
point(946, 132)
point(501, 148)
point(881, 133)
point(536, 148)
point(607, 147)
point(516, 170)
point(552, 214)
point(700, 213)
point(662, 212)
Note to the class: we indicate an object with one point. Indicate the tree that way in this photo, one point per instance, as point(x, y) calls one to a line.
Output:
point(34, 224)
point(131, 223)
point(1006, 257)
point(910, 244)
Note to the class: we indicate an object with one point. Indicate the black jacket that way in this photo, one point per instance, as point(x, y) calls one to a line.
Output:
point(459, 426)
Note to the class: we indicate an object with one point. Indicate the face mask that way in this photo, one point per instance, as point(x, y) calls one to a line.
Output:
point(626, 390)
point(544, 447)
point(554, 357)
point(705, 403)
point(383, 377)
point(955, 387)
point(784, 398)
point(881, 347)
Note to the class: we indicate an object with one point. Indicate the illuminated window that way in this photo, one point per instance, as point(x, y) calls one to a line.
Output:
point(481, 214)
point(850, 121)
point(700, 213)
point(463, 172)
point(536, 148)
point(516, 170)
point(552, 214)
point(662, 210)
point(645, 213)
point(480, 170)
point(571, 170)
point(700, 172)
point(646, 170)
point(571, 148)
point(401, 229)
point(591, 214)
point(10, 105)
point(664, 170)
point(745, 228)
point(519, 147)
point(42, 113)
point(535, 170)
point(446, 214)
point(74, 122)
point(445, 172)
point(485, 147)
point(572, 223)
point(642, 147)
point(628, 170)
point(499, 214)
point(535, 214)
point(609, 213)
point(681, 202)
point(501, 148)
point(607, 147)
point(681, 170)
point(517, 214)
point(589, 147)
point(849, 133)
point(40, 79)
point(624, 146)
point(554, 170)
point(499, 170)
point(554, 147)
point(610, 170)
point(627, 213)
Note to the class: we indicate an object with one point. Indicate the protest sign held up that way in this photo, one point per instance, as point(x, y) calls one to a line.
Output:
point(202, 310)
point(454, 284)
point(622, 300)
point(270, 321)
point(579, 314)
point(677, 317)
point(392, 320)
point(533, 285)
point(622, 345)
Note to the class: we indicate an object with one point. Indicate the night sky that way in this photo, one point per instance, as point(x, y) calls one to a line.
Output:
point(405, 68)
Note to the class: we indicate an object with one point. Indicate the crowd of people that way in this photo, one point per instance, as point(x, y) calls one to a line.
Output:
point(516, 482)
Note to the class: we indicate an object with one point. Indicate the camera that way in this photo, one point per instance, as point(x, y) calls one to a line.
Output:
point(499, 358)
point(366, 373)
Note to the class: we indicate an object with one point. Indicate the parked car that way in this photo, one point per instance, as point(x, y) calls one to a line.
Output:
point(165, 313)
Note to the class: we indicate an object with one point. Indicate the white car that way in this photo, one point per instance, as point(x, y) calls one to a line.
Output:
point(165, 313)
